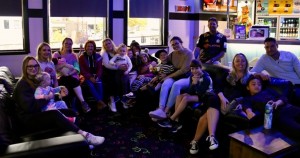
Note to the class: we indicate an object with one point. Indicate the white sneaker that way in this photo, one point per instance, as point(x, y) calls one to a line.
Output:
point(213, 142)
point(112, 106)
point(129, 95)
point(125, 105)
point(158, 114)
point(94, 140)
point(154, 119)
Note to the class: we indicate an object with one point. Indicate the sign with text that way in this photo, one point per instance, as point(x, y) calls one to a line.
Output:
point(182, 8)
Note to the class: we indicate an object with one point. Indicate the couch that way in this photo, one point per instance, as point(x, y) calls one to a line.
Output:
point(232, 123)
point(48, 143)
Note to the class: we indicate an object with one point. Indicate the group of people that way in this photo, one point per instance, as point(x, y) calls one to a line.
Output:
point(240, 83)
point(178, 76)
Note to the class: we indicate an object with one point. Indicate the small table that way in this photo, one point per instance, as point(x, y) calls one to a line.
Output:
point(260, 143)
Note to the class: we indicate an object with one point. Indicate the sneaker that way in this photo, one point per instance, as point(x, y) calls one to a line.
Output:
point(175, 126)
point(85, 107)
point(94, 140)
point(125, 105)
point(158, 114)
point(124, 102)
point(165, 123)
point(129, 95)
point(194, 147)
point(213, 142)
point(154, 119)
point(112, 106)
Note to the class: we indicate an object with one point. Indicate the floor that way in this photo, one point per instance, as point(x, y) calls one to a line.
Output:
point(131, 133)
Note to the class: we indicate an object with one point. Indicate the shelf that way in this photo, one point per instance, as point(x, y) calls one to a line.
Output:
point(291, 41)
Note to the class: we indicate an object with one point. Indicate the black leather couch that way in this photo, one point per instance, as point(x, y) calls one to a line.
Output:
point(48, 143)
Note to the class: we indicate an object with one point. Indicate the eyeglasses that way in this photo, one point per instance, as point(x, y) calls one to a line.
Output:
point(32, 66)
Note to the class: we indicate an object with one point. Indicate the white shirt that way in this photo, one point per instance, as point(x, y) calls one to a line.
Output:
point(286, 67)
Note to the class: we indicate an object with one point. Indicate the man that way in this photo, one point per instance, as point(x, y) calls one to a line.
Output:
point(211, 46)
point(280, 64)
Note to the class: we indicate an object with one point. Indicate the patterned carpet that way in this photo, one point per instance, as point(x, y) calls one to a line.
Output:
point(131, 134)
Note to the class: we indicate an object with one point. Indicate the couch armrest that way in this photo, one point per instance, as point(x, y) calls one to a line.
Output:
point(71, 145)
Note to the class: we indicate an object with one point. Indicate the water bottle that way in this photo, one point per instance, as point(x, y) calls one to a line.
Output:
point(268, 116)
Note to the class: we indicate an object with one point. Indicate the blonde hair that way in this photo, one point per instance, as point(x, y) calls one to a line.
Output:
point(39, 51)
point(40, 77)
point(121, 46)
point(109, 40)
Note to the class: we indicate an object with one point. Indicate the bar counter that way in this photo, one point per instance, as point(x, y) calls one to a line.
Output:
point(253, 49)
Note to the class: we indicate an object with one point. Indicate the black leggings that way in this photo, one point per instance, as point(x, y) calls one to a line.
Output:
point(52, 119)
point(70, 83)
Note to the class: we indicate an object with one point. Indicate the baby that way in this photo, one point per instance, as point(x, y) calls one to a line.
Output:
point(62, 67)
point(44, 91)
point(121, 58)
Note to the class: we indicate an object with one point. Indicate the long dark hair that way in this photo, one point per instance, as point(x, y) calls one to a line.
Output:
point(31, 81)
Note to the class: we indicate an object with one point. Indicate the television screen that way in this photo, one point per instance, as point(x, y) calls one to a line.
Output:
point(219, 5)
point(257, 33)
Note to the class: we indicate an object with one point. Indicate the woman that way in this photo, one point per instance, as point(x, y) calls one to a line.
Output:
point(135, 62)
point(136, 49)
point(44, 58)
point(235, 86)
point(113, 76)
point(29, 111)
point(90, 64)
point(173, 83)
point(72, 81)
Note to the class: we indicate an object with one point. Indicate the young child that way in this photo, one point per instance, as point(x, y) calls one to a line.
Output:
point(44, 91)
point(161, 70)
point(200, 89)
point(62, 67)
point(121, 58)
point(144, 76)
point(254, 105)
point(285, 115)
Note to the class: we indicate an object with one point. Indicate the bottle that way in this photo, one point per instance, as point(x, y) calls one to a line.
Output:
point(268, 116)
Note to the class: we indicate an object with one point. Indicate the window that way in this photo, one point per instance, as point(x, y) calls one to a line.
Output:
point(85, 20)
point(145, 24)
point(11, 29)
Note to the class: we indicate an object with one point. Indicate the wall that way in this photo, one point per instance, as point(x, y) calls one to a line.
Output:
point(254, 51)
point(188, 30)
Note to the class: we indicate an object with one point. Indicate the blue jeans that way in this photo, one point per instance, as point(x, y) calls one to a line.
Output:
point(175, 88)
point(95, 89)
